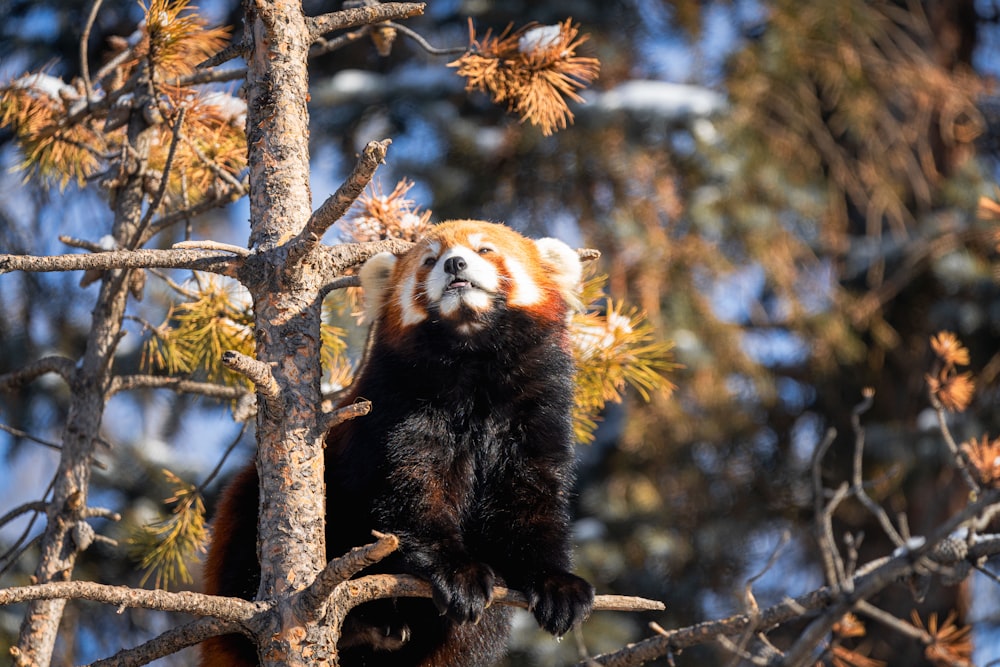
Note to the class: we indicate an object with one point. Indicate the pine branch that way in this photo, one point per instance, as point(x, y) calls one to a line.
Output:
point(336, 205)
point(180, 385)
point(334, 260)
point(831, 601)
point(352, 18)
point(170, 642)
point(341, 569)
point(230, 609)
point(61, 366)
point(213, 262)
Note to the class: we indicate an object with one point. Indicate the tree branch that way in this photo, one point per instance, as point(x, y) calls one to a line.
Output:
point(311, 601)
point(171, 642)
point(341, 415)
point(833, 601)
point(180, 385)
point(61, 366)
point(336, 205)
point(256, 371)
point(337, 259)
point(229, 609)
point(352, 18)
point(196, 260)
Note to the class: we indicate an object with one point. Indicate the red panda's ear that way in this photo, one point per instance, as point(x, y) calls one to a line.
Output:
point(375, 275)
point(564, 266)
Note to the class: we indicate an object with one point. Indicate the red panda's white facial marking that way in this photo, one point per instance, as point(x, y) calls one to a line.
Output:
point(461, 276)
point(462, 270)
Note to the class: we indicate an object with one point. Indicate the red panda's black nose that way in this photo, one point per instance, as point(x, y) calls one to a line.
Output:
point(454, 265)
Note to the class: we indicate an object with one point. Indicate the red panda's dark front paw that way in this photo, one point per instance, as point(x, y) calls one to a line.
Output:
point(559, 601)
point(465, 592)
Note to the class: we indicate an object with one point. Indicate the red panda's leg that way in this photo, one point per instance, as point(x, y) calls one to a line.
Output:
point(536, 500)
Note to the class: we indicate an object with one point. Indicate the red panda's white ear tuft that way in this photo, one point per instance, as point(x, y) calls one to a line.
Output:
point(375, 275)
point(566, 269)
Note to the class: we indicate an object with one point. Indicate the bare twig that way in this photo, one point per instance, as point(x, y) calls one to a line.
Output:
point(180, 385)
point(171, 642)
point(161, 191)
point(345, 413)
point(857, 481)
point(226, 197)
point(229, 52)
point(222, 459)
point(36, 506)
point(322, 46)
point(957, 456)
point(424, 44)
point(833, 564)
point(84, 57)
point(61, 366)
point(888, 620)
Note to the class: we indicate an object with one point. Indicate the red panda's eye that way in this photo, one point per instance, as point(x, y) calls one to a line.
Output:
point(430, 261)
point(484, 251)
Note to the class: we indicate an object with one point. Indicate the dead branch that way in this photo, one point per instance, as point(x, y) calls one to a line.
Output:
point(180, 385)
point(334, 260)
point(171, 642)
point(352, 18)
point(341, 569)
point(239, 251)
point(831, 601)
point(345, 413)
point(61, 366)
point(337, 204)
point(256, 371)
point(196, 260)
point(229, 609)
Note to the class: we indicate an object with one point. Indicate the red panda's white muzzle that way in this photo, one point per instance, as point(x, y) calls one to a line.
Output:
point(461, 278)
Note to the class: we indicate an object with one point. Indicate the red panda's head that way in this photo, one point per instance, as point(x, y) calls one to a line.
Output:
point(461, 271)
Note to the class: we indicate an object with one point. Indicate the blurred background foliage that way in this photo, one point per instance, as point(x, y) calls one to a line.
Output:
point(788, 189)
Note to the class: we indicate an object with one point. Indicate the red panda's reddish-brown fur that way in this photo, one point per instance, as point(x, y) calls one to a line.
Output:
point(466, 454)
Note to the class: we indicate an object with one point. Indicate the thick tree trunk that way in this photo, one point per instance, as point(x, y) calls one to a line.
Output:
point(287, 326)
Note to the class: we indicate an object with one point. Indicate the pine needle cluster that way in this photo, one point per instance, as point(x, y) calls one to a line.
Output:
point(948, 645)
point(614, 347)
point(953, 389)
point(379, 216)
point(34, 106)
point(72, 132)
point(165, 548)
point(175, 38)
point(534, 70)
point(849, 628)
point(212, 319)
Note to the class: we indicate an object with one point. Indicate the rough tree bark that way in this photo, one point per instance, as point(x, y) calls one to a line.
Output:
point(287, 305)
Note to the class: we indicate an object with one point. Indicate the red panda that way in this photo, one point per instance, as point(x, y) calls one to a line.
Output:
point(466, 454)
